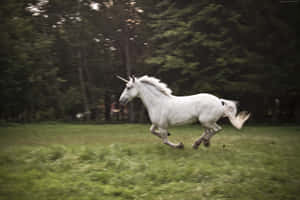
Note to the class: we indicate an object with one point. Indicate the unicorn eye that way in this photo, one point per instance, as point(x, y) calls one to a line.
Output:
point(129, 87)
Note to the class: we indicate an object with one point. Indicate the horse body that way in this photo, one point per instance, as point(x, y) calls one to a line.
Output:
point(201, 107)
point(166, 110)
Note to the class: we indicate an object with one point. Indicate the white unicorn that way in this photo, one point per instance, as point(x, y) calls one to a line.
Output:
point(166, 110)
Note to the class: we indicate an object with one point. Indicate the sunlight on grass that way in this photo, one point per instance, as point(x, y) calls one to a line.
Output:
point(126, 162)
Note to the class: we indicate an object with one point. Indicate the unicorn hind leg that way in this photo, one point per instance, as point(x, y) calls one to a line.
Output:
point(201, 139)
point(216, 128)
point(210, 130)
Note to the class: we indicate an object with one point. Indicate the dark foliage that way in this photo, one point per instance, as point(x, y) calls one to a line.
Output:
point(60, 58)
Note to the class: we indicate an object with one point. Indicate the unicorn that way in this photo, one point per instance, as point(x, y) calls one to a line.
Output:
point(165, 109)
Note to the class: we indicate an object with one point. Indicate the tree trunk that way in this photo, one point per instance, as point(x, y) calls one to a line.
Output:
point(83, 88)
point(88, 75)
point(107, 103)
point(297, 110)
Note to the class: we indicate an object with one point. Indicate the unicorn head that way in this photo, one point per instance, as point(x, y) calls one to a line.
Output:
point(130, 91)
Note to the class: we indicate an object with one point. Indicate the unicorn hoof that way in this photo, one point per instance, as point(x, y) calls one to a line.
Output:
point(180, 146)
point(206, 143)
point(195, 145)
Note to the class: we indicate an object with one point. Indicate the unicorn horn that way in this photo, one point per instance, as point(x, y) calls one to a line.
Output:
point(123, 79)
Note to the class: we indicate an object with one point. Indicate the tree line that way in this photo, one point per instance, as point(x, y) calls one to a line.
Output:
point(60, 58)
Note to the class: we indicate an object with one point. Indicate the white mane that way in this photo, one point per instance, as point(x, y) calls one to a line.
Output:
point(161, 87)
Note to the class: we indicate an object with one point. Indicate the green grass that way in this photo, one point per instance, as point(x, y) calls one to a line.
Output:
point(78, 162)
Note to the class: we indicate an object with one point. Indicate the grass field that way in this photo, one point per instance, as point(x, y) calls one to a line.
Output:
point(63, 161)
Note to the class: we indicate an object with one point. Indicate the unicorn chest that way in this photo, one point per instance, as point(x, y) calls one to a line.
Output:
point(156, 114)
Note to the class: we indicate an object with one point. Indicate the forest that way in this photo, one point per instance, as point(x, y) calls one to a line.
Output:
point(59, 59)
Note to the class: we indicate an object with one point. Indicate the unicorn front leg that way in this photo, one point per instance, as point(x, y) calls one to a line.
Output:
point(153, 129)
point(164, 136)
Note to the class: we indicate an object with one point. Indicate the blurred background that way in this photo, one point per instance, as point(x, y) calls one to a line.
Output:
point(59, 59)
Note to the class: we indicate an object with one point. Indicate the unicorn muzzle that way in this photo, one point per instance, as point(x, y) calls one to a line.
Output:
point(123, 101)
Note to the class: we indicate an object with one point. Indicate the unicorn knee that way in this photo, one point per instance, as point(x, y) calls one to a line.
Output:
point(218, 128)
point(152, 129)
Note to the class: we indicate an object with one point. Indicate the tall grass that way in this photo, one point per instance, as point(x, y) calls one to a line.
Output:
point(126, 162)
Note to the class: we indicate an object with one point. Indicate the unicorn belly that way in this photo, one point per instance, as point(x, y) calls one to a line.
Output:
point(174, 120)
point(170, 114)
point(182, 113)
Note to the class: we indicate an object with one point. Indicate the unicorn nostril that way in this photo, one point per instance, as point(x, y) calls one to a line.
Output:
point(123, 101)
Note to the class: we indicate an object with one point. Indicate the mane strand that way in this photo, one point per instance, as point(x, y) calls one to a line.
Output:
point(160, 86)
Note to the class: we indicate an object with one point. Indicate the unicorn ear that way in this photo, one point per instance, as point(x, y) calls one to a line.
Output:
point(133, 78)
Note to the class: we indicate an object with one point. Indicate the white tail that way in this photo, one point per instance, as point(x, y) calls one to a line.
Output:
point(230, 110)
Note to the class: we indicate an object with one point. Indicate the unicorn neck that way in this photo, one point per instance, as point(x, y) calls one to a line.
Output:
point(150, 97)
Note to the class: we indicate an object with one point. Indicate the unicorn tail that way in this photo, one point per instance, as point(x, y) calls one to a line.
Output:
point(230, 110)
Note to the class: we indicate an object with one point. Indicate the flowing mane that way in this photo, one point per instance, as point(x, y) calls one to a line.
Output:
point(161, 87)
